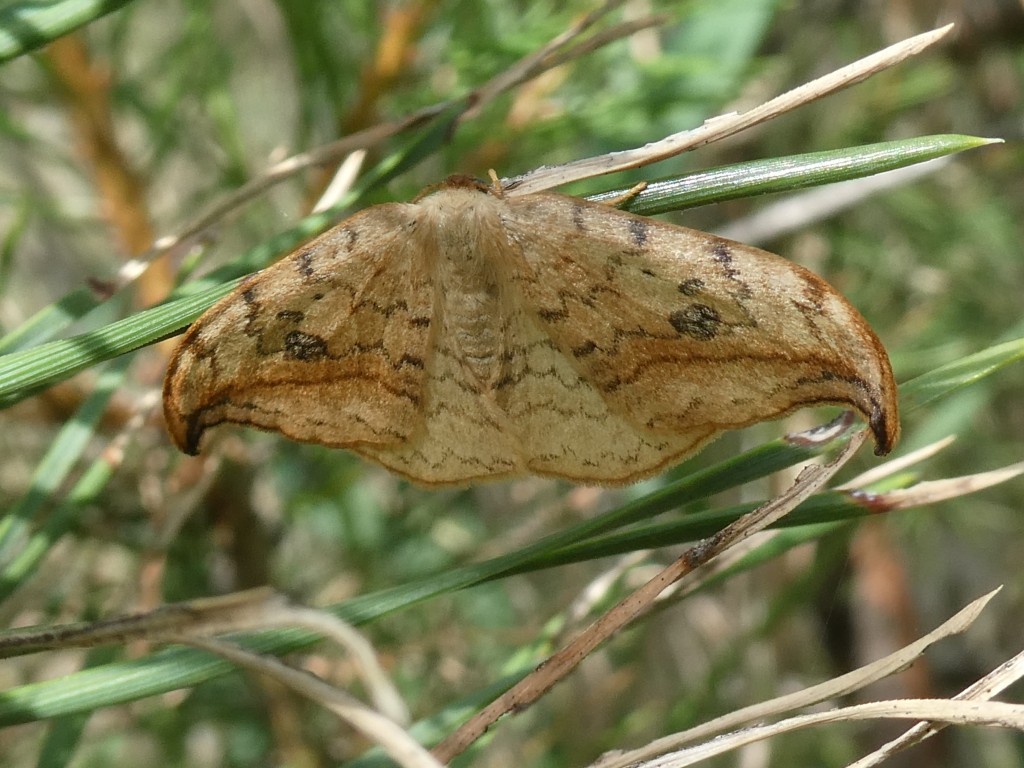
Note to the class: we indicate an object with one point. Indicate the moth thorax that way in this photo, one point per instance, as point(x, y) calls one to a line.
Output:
point(472, 297)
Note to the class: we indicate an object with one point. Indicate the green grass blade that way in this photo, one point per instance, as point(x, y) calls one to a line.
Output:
point(26, 559)
point(24, 373)
point(827, 507)
point(62, 456)
point(50, 320)
point(65, 733)
point(27, 25)
point(949, 378)
point(786, 174)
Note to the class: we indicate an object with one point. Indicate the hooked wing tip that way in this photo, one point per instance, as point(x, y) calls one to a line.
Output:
point(195, 432)
point(185, 429)
point(885, 426)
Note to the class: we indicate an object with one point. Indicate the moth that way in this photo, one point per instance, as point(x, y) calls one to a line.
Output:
point(469, 335)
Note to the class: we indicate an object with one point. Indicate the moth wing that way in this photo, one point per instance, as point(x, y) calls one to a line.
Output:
point(562, 424)
point(684, 333)
point(327, 345)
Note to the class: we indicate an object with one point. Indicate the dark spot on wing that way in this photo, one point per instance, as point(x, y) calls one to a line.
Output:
point(412, 361)
point(584, 349)
point(698, 321)
point(551, 315)
point(723, 256)
point(304, 262)
point(638, 230)
point(691, 286)
point(292, 315)
point(419, 322)
point(304, 346)
point(577, 216)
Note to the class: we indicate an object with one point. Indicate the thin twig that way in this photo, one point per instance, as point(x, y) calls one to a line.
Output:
point(991, 713)
point(723, 126)
point(894, 466)
point(933, 491)
point(402, 747)
point(378, 685)
point(996, 681)
point(254, 609)
point(550, 55)
point(213, 615)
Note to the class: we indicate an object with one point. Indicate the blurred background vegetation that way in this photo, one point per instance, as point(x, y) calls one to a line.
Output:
point(125, 129)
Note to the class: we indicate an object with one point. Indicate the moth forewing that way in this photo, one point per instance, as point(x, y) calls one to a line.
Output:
point(328, 345)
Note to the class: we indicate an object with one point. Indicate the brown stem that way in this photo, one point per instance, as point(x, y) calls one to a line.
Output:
point(86, 87)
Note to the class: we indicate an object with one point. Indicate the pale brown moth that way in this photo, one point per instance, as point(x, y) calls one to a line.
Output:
point(469, 335)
